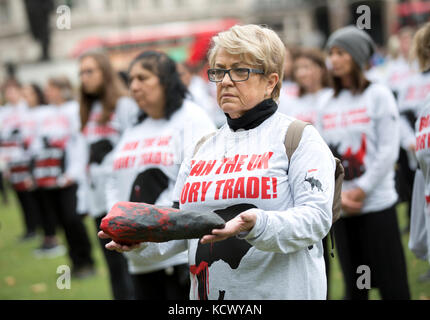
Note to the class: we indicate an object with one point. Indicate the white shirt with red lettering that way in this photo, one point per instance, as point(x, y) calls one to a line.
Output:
point(19, 160)
point(58, 149)
point(306, 107)
point(124, 117)
point(363, 131)
point(397, 72)
point(422, 130)
point(282, 256)
point(155, 144)
point(10, 118)
point(71, 109)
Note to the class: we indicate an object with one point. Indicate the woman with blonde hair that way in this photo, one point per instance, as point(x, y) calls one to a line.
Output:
point(270, 247)
point(419, 240)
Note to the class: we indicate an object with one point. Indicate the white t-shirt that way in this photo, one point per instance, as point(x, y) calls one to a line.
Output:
point(397, 72)
point(306, 107)
point(282, 256)
point(422, 129)
point(105, 137)
point(145, 164)
point(58, 149)
point(19, 160)
point(363, 131)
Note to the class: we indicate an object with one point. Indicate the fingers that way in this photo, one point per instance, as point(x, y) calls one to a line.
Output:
point(351, 206)
point(212, 238)
point(103, 235)
point(113, 246)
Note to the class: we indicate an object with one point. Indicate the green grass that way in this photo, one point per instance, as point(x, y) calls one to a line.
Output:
point(22, 276)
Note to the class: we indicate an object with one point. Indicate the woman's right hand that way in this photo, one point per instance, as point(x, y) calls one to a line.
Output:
point(113, 246)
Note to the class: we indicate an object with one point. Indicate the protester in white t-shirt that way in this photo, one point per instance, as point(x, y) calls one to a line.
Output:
point(313, 81)
point(59, 92)
point(271, 245)
point(360, 124)
point(419, 241)
point(19, 129)
point(106, 112)
point(146, 161)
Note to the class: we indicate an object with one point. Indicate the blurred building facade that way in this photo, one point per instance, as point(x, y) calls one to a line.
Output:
point(298, 22)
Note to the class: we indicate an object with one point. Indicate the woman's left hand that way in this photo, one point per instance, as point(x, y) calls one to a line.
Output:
point(243, 222)
point(356, 194)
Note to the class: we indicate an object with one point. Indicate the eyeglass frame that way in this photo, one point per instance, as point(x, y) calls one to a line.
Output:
point(250, 70)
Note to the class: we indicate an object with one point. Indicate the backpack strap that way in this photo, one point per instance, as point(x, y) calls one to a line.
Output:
point(202, 141)
point(293, 136)
point(292, 140)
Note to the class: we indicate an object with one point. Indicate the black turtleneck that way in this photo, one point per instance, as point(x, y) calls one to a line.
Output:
point(253, 117)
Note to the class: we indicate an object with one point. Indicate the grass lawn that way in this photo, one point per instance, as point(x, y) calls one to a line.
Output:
point(22, 276)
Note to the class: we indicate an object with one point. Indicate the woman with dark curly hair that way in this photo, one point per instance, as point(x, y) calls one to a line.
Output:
point(147, 159)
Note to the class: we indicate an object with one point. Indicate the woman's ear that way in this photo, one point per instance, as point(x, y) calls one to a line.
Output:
point(273, 79)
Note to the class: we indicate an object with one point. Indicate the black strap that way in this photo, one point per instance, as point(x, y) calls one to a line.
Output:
point(332, 242)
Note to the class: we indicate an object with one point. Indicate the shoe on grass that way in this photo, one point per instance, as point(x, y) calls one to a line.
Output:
point(83, 272)
point(424, 277)
point(50, 251)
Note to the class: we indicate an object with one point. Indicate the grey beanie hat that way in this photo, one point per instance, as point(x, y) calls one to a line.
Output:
point(355, 41)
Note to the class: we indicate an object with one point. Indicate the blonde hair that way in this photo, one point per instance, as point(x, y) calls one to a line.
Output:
point(421, 47)
point(256, 45)
point(393, 46)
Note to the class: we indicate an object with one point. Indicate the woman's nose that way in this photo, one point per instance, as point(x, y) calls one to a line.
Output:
point(226, 81)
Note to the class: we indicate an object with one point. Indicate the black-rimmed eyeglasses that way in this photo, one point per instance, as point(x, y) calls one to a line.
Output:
point(235, 74)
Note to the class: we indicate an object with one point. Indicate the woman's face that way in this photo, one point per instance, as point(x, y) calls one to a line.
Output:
point(30, 96)
point(146, 89)
point(12, 94)
point(235, 98)
point(307, 74)
point(53, 94)
point(341, 62)
point(91, 75)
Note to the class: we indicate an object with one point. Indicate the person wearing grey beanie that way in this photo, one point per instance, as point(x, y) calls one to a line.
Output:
point(354, 41)
point(360, 123)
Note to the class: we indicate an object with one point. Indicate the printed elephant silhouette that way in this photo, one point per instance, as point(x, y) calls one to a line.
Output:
point(314, 182)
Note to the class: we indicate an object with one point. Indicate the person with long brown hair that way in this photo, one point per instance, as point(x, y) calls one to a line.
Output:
point(309, 72)
point(105, 112)
point(314, 86)
point(360, 123)
point(168, 126)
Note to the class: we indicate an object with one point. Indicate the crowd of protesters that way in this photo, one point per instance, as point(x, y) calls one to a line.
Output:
point(62, 152)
